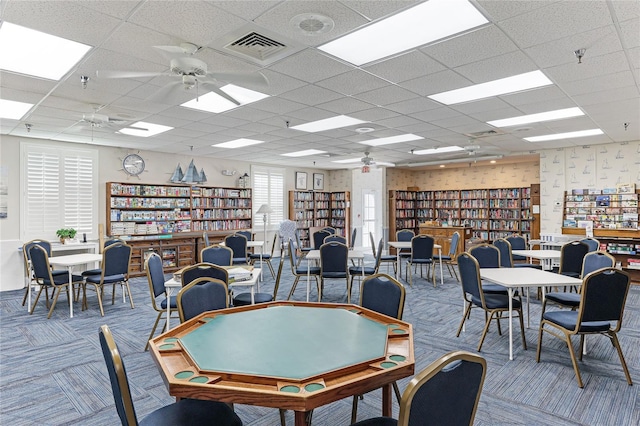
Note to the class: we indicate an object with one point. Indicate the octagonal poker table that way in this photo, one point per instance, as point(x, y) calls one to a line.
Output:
point(288, 355)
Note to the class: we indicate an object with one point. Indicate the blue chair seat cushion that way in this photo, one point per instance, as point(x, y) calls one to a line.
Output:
point(239, 260)
point(377, 421)
point(173, 303)
point(571, 274)
point(496, 301)
point(313, 270)
point(92, 272)
point(63, 279)
point(443, 257)
point(244, 299)
point(388, 258)
point(193, 412)
point(55, 272)
point(527, 265)
point(257, 256)
point(567, 299)
point(422, 261)
point(567, 319)
point(518, 257)
point(339, 274)
point(357, 270)
point(109, 279)
point(489, 288)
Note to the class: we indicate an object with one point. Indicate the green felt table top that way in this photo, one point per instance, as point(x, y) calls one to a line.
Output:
point(286, 341)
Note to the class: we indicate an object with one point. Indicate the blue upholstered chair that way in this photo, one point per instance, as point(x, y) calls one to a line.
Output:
point(202, 295)
point(404, 235)
point(445, 393)
point(237, 243)
point(494, 304)
point(336, 238)
point(155, 277)
point(600, 311)
point(318, 238)
point(106, 244)
point(217, 255)
point(504, 247)
point(594, 245)
point(43, 276)
point(299, 271)
point(421, 254)
point(334, 259)
point(29, 271)
point(186, 412)
point(202, 270)
point(265, 257)
point(488, 256)
point(114, 270)
point(571, 256)
point(329, 229)
point(386, 295)
point(518, 242)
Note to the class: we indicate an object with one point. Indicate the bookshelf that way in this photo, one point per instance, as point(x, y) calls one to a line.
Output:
point(315, 209)
point(491, 213)
point(606, 209)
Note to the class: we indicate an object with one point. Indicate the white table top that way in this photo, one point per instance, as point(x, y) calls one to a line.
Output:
point(407, 244)
point(353, 254)
point(526, 277)
point(538, 254)
point(250, 243)
point(173, 283)
point(75, 259)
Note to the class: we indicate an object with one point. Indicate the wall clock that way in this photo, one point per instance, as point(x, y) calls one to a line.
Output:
point(133, 164)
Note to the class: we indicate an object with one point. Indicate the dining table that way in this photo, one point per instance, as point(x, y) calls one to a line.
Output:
point(546, 257)
point(514, 278)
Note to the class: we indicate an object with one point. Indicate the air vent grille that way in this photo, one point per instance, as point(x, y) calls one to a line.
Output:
point(484, 134)
point(256, 46)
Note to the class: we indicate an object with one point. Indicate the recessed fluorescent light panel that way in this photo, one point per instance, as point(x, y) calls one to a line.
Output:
point(38, 54)
point(144, 130)
point(569, 135)
point(427, 22)
point(503, 86)
point(212, 102)
point(348, 160)
point(13, 110)
point(304, 153)
point(238, 143)
point(328, 124)
point(391, 139)
point(442, 150)
point(537, 118)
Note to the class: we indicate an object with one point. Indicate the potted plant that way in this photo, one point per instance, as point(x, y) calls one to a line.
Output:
point(65, 234)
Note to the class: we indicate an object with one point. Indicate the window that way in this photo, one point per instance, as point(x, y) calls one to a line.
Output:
point(268, 188)
point(59, 187)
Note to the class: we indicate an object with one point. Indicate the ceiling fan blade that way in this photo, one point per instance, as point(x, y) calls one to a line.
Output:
point(213, 88)
point(182, 50)
point(252, 78)
point(127, 74)
point(166, 92)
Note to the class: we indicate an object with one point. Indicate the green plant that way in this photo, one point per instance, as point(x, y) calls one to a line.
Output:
point(66, 233)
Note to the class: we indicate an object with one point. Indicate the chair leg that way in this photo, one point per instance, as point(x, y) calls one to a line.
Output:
point(396, 390)
point(153, 330)
point(524, 339)
point(273, 273)
point(573, 360)
point(486, 328)
point(616, 343)
point(293, 287)
point(282, 420)
point(539, 341)
point(464, 317)
point(354, 408)
point(26, 293)
point(99, 293)
point(56, 292)
point(126, 284)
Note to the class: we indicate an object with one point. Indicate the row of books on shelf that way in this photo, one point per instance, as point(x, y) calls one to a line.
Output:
point(150, 203)
point(150, 228)
point(221, 214)
point(621, 248)
point(149, 190)
point(580, 222)
point(633, 263)
point(221, 203)
point(220, 192)
point(221, 225)
point(146, 215)
point(621, 188)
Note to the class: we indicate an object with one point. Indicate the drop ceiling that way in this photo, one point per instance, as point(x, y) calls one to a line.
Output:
point(306, 84)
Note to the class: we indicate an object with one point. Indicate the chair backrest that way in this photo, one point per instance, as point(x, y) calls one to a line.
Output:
point(288, 231)
point(293, 257)
point(237, 243)
point(518, 242)
point(329, 229)
point(470, 275)
point(333, 257)
point(40, 264)
point(384, 294)
point(604, 293)
point(453, 247)
point(318, 238)
point(273, 244)
point(118, 377)
point(205, 238)
point(26, 256)
point(354, 234)
point(217, 254)
point(405, 235)
point(247, 234)
point(596, 260)
point(202, 270)
point(373, 244)
point(487, 255)
point(115, 260)
point(336, 238)
point(422, 247)
point(504, 246)
point(445, 393)
point(155, 275)
point(378, 253)
point(571, 257)
point(594, 245)
point(202, 295)
point(111, 241)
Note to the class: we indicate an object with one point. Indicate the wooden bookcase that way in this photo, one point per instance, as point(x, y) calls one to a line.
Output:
point(605, 209)
point(492, 213)
point(315, 209)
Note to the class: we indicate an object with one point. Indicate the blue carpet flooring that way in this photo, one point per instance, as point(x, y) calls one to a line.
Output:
point(52, 371)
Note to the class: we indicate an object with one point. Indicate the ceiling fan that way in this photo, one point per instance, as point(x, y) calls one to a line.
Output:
point(190, 73)
point(366, 160)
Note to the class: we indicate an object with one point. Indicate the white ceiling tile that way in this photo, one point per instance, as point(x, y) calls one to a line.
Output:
point(500, 10)
point(345, 106)
point(246, 9)
point(502, 66)
point(630, 30)
point(436, 83)
point(353, 82)
point(311, 95)
point(310, 66)
point(405, 67)
point(597, 66)
point(390, 94)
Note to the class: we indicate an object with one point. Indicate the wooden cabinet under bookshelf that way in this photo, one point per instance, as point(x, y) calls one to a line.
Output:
point(314, 209)
point(492, 213)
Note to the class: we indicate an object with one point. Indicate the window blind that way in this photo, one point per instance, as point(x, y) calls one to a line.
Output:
point(59, 190)
point(268, 188)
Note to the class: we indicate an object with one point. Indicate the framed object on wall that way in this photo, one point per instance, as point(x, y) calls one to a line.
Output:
point(318, 181)
point(301, 180)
